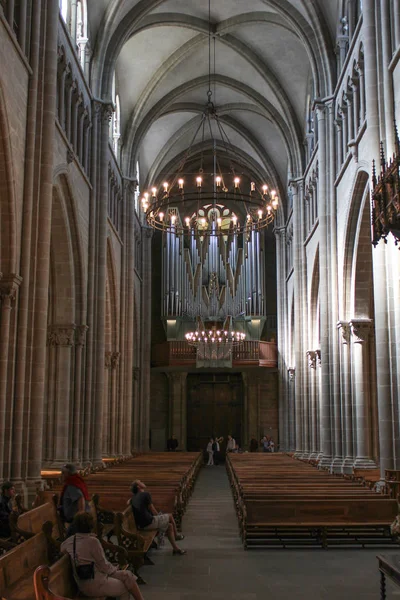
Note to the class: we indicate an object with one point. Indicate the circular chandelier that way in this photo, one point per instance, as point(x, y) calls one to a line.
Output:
point(192, 206)
point(215, 336)
point(190, 203)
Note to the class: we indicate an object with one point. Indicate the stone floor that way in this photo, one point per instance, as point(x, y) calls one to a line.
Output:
point(217, 567)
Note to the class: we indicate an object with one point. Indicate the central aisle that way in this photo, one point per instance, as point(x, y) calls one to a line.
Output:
point(217, 567)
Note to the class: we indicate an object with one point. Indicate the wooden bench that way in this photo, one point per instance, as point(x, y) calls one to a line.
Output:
point(136, 543)
point(29, 523)
point(18, 565)
point(57, 582)
point(278, 499)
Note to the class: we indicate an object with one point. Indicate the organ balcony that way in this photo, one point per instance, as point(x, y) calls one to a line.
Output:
point(249, 354)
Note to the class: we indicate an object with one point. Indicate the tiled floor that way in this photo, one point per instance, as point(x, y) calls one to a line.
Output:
point(217, 567)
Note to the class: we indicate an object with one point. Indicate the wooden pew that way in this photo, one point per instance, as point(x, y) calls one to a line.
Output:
point(31, 522)
point(136, 543)
point(57, 582)
point(281, 501)
point(18, 565)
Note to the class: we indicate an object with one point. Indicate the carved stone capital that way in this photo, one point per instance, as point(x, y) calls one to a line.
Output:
point(148, 231)
point(115, 357)
point(318, 357)
point(80, 337)
point(9, 285)
point(61, 335)
point(361, 330)
point(70, 156)
point(107, 359)
point(291, 373)
point(344, 328)
point(312, 359)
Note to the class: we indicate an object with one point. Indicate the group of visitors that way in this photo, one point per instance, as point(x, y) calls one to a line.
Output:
point(94, 575)
point(267, 444)
point(213, 448)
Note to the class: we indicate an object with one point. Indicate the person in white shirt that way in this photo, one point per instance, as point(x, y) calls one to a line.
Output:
point(231, 445)
point(210, 452)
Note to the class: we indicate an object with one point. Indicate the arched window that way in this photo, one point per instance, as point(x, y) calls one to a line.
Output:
point(75, 17)
point(64, 9)
point(137, 191)
point(116, 127)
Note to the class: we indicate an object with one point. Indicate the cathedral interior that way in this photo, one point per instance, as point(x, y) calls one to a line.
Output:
point(199, 235)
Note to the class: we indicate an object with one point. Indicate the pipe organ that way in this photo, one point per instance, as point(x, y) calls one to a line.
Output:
point(213, 277)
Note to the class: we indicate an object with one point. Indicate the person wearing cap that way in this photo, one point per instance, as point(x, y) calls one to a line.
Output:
point(74, 495)
point(7, 495)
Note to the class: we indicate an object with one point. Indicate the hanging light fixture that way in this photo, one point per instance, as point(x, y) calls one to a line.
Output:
point(210, 201)
point(218, 337)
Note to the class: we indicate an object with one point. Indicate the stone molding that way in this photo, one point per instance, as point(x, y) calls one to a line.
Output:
point(136, 373)
point(107, 359)
point(312, 359)
point(361, 330)
point(344, 328)
point(61, 335)
point(115, 358)
point(9, 285)
point(318, 357)
point(111, 359)
point(80, 338)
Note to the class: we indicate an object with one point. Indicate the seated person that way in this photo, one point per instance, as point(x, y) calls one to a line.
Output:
point(6, 498)
point(74, 495)
point(148, 519)
point(107, 579)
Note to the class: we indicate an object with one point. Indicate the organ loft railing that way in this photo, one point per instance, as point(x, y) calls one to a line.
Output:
point(386, 197)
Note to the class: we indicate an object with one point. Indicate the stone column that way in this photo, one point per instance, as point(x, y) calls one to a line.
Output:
point(361, 330)
point(346, 396)
point(312, 363)
point(78, 430)
point(61, 342)
point(146, 337)
point(282, 352)
point(129, 187)
point(299, 308)
point(325, 298)
point(26, 293)
point(379, 254)
point(8, 290)
point(41, 276)
point(106, 445)
point(291, 408)
point(101, 266)
point(177, 407)
point(114, 403)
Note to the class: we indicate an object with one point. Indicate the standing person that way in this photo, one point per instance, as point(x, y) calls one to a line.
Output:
point(6, 498)
point(74, 495)
point(210, 453)
point(265, 444)
point(231, 444)
point(105, 580)
point(215, 448)
point(148, 519)
point(253, 444)
point(271, 445)
point(172, 444)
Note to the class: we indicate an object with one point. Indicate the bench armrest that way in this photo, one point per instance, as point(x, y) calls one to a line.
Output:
point(127, 539)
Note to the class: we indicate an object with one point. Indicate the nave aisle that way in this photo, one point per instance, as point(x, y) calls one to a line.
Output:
point(217, 568)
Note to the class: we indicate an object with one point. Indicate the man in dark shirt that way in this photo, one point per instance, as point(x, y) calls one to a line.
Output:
point(172, 444)
point(7, 495)
point(148, 518)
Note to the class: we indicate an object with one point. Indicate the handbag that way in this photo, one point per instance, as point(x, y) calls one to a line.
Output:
point(83, 571)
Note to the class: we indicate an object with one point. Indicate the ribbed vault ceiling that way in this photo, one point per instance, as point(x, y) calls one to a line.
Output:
point(272, 58)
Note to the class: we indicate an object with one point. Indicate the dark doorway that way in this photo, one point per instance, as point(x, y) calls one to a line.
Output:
point(214, 407)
